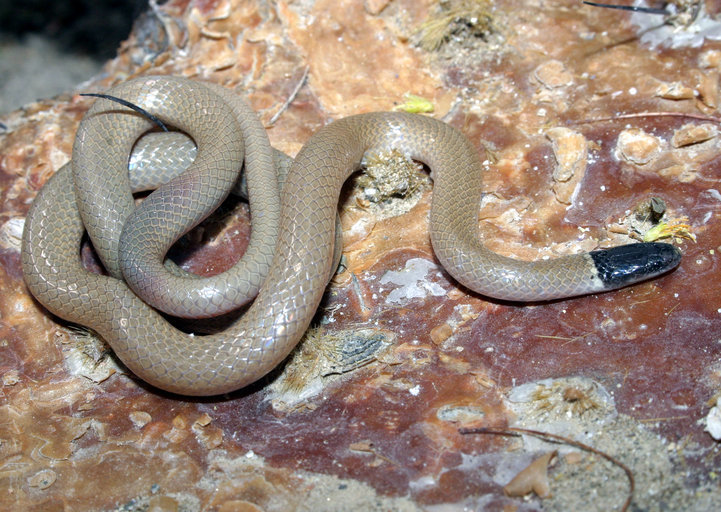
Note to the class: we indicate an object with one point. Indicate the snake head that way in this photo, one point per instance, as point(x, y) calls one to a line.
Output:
point(628, 264)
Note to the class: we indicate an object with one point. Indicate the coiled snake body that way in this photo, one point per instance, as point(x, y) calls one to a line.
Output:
point(132, 242)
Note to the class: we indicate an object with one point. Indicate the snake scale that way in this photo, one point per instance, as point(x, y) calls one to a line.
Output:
point(292, 238)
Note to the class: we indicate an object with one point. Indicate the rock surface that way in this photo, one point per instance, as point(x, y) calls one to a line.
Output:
point(366, 415)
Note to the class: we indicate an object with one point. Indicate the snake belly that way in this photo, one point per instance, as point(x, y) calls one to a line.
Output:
point(302, 261)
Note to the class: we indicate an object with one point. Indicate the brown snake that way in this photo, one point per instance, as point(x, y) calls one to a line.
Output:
point(302, 260)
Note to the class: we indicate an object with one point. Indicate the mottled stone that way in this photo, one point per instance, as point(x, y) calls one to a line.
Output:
point(637, 147)
point(413, 356)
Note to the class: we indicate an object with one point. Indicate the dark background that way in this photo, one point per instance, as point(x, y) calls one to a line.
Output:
point(87, 27)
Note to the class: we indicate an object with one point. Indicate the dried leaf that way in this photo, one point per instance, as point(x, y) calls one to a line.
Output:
point(534, 478)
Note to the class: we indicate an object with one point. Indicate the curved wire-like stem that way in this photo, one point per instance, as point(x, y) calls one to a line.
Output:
point(634, 8)
point(133, 106)
point(546, 436)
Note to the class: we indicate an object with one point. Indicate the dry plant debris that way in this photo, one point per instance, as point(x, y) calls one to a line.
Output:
point(534, 478)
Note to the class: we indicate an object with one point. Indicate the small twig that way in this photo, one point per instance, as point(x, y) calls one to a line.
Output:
point(126, 103)
point(546, 436)
point(671, 310)
point(662, 418)
point(292, 96)
point(634, 8)
point(637, 115)
point(567, 339)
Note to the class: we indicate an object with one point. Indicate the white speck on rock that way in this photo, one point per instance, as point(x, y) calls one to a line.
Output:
point(412, 281)
point(713, 421)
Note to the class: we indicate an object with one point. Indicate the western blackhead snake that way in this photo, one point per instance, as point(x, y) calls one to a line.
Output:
point(132, 241)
